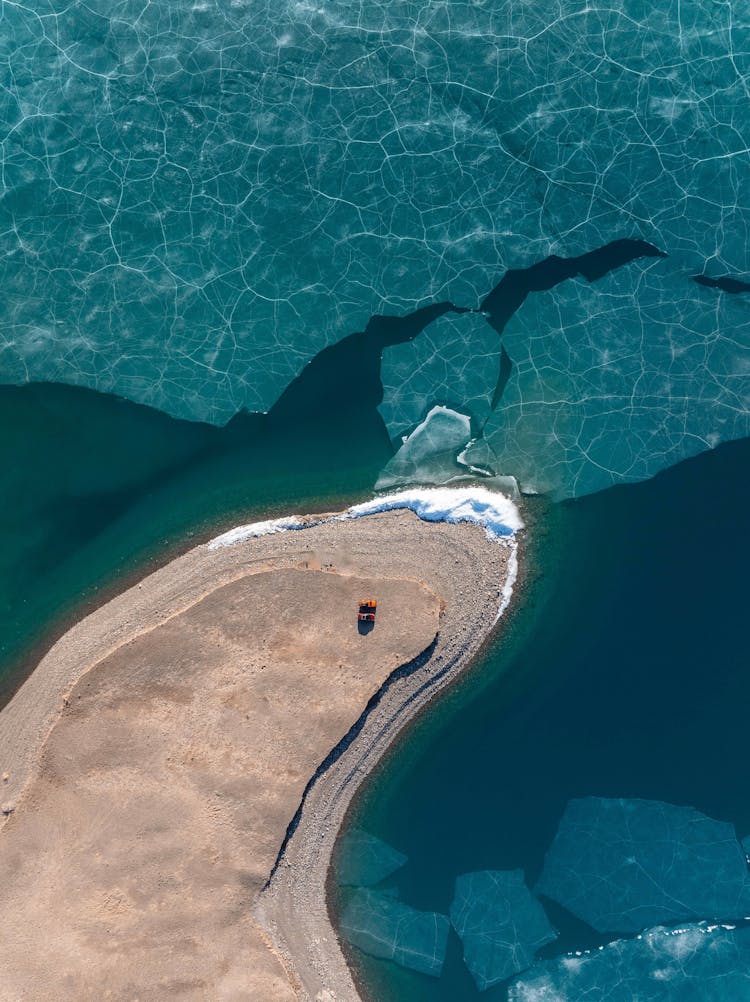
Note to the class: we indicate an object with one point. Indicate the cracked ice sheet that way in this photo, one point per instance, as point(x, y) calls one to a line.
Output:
point(624, 865)
point(616, 380)
point(500, 924)
point(698, 963)
point(386, 928)
point(453, 363)
point(196, 198)
point(612, 381)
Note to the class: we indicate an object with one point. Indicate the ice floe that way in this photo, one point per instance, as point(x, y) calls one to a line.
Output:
point(454, 361)
point(442, 451)
point(625, 865)
point(697, 963)
point(363, 859)
point(428, 454)
point(500, 923)
point(382, 926)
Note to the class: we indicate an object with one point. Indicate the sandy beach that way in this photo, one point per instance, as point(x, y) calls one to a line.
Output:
point(176, 769)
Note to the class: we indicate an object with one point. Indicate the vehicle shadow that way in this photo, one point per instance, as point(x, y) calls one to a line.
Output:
point(363, 628)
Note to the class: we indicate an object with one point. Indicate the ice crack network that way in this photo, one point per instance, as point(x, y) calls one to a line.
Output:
point(197, 198)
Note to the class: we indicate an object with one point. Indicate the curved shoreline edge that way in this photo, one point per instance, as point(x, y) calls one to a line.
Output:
point(472, 577)
point(294, 907)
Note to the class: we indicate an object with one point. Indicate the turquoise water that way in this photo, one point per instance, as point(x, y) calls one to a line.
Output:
point(97, 489)
point(196, 199)
point(620, 674)
point(261, 257)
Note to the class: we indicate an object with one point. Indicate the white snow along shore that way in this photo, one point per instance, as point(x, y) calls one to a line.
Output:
point(495, 512)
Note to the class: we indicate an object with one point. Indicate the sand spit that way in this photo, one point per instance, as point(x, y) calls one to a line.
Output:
point(161, 750)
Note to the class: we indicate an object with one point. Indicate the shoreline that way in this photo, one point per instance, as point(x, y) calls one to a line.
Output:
point(457, 563)
point(112, 585)
point(464, 678)
point(300, 888)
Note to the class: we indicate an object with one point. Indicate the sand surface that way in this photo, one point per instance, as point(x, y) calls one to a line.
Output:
point(159, 752)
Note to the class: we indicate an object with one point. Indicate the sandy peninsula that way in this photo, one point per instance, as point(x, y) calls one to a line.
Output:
point(177, 767)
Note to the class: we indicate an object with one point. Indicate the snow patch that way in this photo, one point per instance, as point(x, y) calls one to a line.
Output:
point(242, 532)
point(495, 512)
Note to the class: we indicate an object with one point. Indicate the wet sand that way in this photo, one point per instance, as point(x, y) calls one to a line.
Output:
point(161, 750)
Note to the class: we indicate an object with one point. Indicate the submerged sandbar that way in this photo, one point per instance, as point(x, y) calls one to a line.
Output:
point(160, 752)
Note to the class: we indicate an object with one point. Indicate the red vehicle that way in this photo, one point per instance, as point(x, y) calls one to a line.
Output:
point(367, 609)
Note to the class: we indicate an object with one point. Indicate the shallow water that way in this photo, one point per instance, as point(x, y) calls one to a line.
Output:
point(98, 489)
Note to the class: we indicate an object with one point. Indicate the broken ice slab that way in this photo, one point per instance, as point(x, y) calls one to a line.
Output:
point(500, 923)
point(617, 379)
point(364, 859)
point(625, 865)
point(697, 963)
point(382, 926)
point(428, 455)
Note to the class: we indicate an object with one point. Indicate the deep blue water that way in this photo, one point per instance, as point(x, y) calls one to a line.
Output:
point(248, 248)
point(622, 672)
